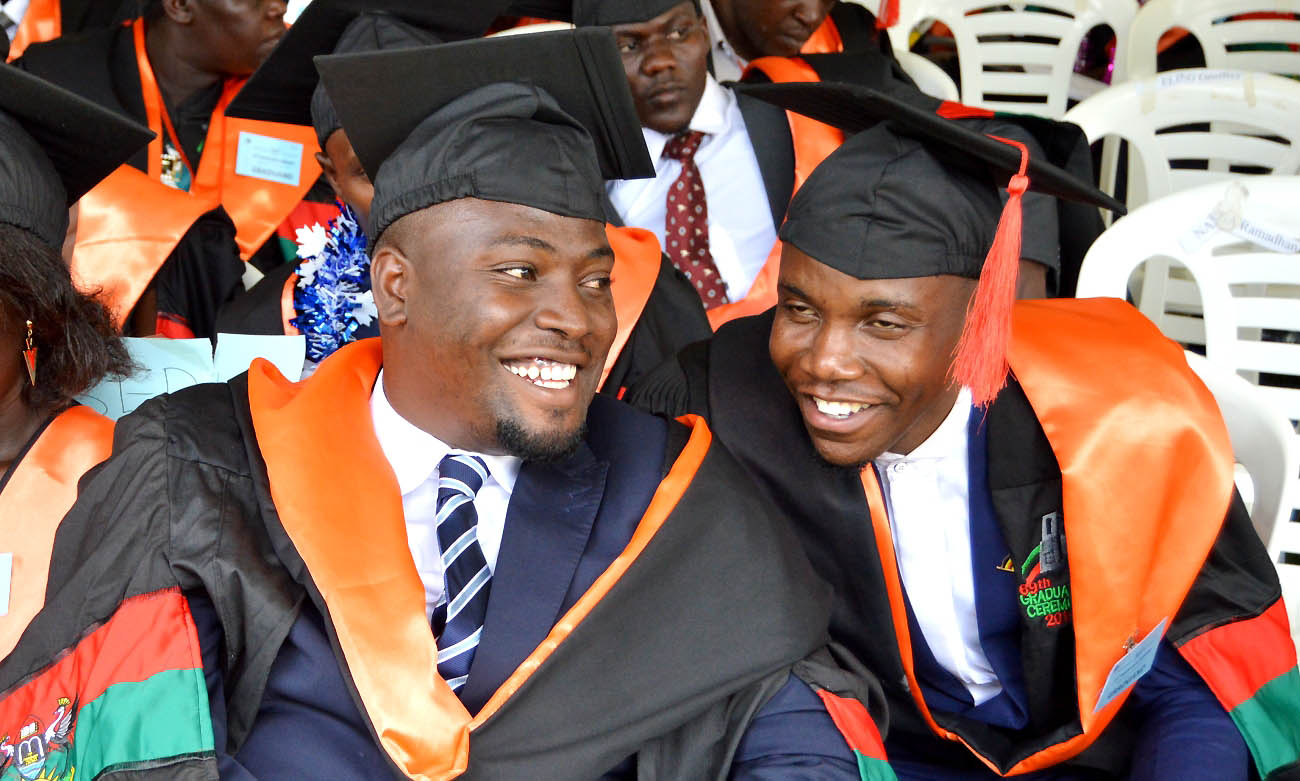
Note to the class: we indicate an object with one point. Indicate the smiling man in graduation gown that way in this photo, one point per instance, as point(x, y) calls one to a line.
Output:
point(1027, 511)
point(657, 309)
point(440, 556)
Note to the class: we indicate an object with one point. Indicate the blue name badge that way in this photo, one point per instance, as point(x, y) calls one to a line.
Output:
point(271, 159)
point(1132, 666)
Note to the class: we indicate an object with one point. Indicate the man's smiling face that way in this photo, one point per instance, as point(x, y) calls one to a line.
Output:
point(496, 320)
point(866, 360)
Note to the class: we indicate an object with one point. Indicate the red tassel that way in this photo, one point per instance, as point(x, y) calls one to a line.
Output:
point(888, 16)
point(981, 360)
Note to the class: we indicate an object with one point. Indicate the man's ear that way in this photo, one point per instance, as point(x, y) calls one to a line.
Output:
point(179, 11)
point(331, 173)
point(391, 274)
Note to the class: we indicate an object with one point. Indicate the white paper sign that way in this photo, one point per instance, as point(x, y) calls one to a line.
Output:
point(1132, 665)
point(1196, 76)
point(272, 159)
point(168, 365)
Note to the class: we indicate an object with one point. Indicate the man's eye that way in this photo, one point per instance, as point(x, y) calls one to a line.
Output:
point(678, 33)
point(626, 47)
point(798, 310)
point(886, 325)
point(597, 283)
point(520, 272)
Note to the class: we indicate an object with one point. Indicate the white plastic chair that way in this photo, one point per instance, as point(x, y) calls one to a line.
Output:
point(929, 77)
point(1179, 229)
point(1252, 121)
point(1263, 442)
point(1260, 45)
point(1018, 60)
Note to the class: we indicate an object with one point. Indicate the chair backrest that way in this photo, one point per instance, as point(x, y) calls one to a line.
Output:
point(929, 77)
point(1248, 35)
point(1181, 229)
point(1189, 127)
point(1016, 56)
point(1262, 441)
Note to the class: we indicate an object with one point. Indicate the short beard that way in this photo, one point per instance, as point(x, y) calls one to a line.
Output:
point(526, 445)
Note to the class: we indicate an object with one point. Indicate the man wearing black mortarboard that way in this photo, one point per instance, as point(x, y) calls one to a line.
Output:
point(1026, 509)
point(440, 556)
point(726, 164)
point(167, 236)
point(330, 300)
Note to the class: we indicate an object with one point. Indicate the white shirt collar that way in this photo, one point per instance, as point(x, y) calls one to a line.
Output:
point(711, 117)
point(415, 454)
point(732, 64)
point(14, 9)
point(948, 440)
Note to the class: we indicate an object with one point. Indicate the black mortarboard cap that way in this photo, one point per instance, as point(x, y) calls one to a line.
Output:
point(54, 147)
point(590, 13)
point(914, 194)
point(538, 120)
point(282, 88)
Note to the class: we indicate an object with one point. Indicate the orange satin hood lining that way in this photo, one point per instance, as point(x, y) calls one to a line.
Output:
point(42, 22)
point(377, 610)
point(1137, 436)
point(637, 258)
point(39, 493)
point(813, 142)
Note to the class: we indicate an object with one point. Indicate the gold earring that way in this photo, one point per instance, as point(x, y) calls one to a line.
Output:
point(29, 355)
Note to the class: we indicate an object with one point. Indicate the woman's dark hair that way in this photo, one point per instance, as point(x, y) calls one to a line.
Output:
point(77, 344)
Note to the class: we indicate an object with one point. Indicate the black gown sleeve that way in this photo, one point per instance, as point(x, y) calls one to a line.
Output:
point(673, 318)
point(679, 386)
point(202, 274)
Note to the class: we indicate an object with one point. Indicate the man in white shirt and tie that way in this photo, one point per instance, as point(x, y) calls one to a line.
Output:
point(732, 154)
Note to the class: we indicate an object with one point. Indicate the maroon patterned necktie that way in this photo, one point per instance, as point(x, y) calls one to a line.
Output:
point(686, 229)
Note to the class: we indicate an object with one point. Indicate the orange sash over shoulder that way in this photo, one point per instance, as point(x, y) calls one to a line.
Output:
point(637, 258)
point(43, 21)
point(813, 141)
point(1146, 470)
point(39, 493)
point(129, 224)
point(377, 611)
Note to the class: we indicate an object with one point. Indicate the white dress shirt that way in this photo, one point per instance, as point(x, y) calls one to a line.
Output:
point(927, 493)
point(414, 455)
point(727, 64)
point(741, 233)
point(14, 11)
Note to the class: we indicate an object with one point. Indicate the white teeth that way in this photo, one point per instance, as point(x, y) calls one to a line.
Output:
point(548, 375)
point(837, 409)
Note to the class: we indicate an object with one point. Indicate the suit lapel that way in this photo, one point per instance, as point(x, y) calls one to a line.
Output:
point(549, 520)
point(769, 134)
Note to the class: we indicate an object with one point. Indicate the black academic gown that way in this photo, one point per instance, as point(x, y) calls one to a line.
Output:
point(205, 269)
point(730, 380)
point(670, 666)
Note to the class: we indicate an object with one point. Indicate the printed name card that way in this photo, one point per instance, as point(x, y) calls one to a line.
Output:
point(268, 158)
point(1134, 664)
point(168, 365)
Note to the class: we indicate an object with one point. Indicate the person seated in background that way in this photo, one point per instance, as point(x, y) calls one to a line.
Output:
point(441, 554)
point(741, 31)
point(55, 341)
point(331, 305)
point(167, 234)
point(1023, 508)
point(724, 165)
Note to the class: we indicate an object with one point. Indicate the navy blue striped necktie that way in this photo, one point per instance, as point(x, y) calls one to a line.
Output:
point(458, 623)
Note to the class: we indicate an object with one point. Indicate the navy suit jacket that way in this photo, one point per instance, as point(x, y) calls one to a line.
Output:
point(308, 724)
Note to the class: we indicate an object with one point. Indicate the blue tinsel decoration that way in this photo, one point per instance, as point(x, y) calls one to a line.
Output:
point(333, 297)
